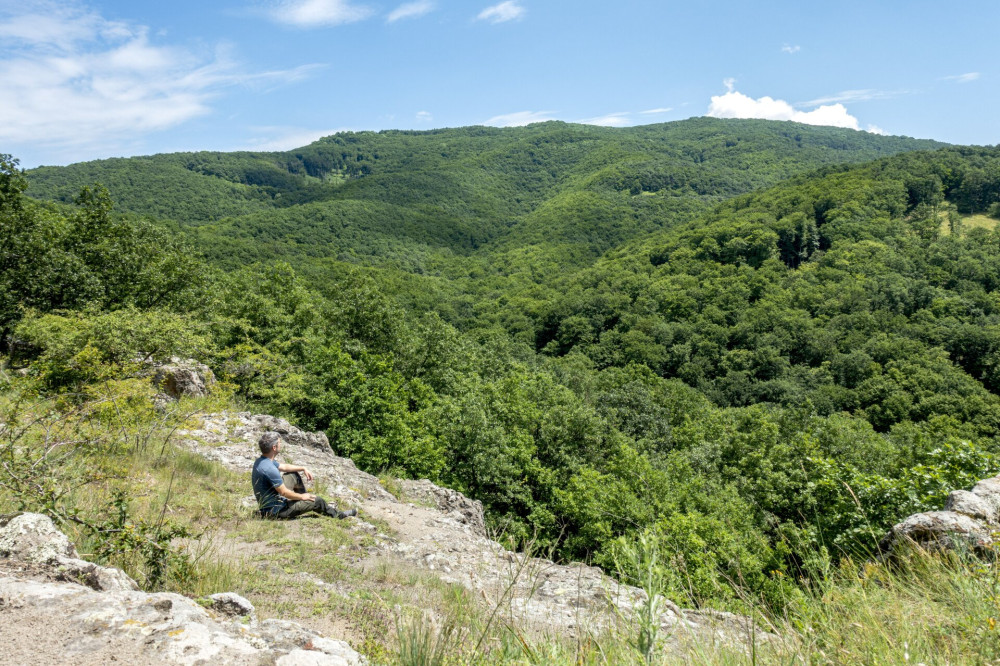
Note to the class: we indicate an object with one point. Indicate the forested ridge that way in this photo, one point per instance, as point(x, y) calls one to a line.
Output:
point(758, 344)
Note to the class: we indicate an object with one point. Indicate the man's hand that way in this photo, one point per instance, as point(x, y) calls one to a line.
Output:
point(284, 467)
point(293, 496)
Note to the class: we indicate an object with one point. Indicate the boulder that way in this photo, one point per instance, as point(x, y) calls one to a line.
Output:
point(183, 377)
point(989, 491)
point(972, 505)
point(231, 605)
point(969, 521)
point(256, 425)
point(939, 530)
point(33, 538)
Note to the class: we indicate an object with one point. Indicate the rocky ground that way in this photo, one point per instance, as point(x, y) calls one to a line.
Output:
point(56, 608)
point(442, 532)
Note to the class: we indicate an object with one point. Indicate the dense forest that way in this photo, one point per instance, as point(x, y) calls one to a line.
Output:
point(757, 343)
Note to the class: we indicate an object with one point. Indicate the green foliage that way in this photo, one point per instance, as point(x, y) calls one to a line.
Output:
point(75, 462)
point(121, 536)
point(679, 336)
point(639, 562)
point(50, 260)
point(74, 349)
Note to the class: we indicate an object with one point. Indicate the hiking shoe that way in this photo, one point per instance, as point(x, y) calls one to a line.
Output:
point(347, 514)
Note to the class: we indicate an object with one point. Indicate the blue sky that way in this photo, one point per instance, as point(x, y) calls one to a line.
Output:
point(93, 79)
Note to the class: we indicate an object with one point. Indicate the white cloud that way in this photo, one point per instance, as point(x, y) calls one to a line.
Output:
point(424, 117)
point(730, 83)
point(617, 119)
point(318, 13)
point(281, 138)
point(505, 11)
point(520, 118)
point(968, 77)
point(788, 48)
point(410, 10)
point(650, 112)
point(862, 95)
point(73, 83)
point(875, 129)
point(735, 104)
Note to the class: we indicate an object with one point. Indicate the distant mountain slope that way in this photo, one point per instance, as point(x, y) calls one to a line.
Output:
point(462, 189)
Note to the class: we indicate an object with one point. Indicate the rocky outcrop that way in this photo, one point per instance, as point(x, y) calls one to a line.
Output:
point(970, 520)
point(60, 620)
point(450, 502)
point(443, 532)
point(33, 538)
point(183, 377)
point(231, 439)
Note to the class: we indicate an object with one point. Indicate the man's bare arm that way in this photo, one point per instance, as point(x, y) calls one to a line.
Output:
point(284, 467)
point(293, 496)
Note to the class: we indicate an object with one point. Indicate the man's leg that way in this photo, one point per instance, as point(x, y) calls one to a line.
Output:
point(319, 505)
point(299, 507)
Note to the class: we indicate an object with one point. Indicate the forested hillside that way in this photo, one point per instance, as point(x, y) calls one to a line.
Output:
point(756, 344)
point(393, 197)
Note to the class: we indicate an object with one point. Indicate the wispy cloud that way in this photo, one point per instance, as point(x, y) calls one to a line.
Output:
point(862, 95)
point(520, 118)
point(790, 49)
point(652, 112)
point(505, 11)
point(318, 13)
point(616, 119)
point(734, 104)
point(968, 77)
point(424, 117)
point(410, 10)
point(74, 83)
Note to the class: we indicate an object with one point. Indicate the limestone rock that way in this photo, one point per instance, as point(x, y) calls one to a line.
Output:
point(969, 520)
point(231, 605)
point(937, 530)
point(32, 537)
point(972, 505)
point(58, 621)
point(448, 501)
point(989, 491)
point(95, 577)
point(183, 377)
point(258, 424)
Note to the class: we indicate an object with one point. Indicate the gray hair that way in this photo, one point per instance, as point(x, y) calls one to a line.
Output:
point(268, 441)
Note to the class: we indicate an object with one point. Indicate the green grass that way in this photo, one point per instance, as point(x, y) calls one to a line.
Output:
point(979, 222)
point(969, 222)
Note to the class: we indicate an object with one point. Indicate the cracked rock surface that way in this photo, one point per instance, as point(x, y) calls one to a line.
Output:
point(63, 616)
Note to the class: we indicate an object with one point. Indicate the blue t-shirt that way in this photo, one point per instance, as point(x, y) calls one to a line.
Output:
point(265, 479)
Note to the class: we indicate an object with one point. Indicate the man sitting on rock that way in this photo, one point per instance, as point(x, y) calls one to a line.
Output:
point(277, 500)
